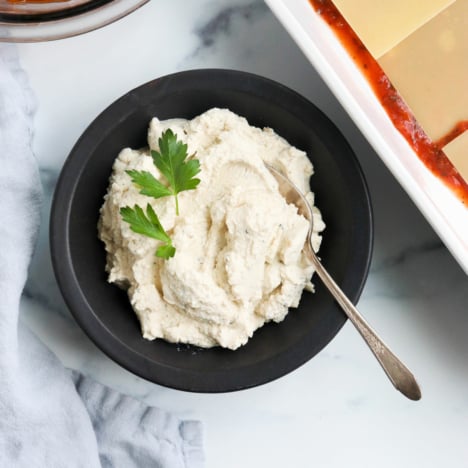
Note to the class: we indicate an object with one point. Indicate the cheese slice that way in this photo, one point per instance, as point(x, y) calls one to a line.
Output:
point(457, 152)
point(430, 70)
point(382, 24)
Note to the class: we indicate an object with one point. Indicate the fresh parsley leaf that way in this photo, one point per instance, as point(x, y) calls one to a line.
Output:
point(149, 225)
point(171, 160)
point(149, 184)
point(165, 251)
point(180, 174)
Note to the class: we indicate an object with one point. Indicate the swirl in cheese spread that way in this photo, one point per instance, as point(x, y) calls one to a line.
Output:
point(239, 261)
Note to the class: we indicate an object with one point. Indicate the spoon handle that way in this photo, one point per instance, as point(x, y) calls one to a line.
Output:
point(397, 372)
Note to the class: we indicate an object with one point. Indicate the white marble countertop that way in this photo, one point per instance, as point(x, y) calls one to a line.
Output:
point(338, 409)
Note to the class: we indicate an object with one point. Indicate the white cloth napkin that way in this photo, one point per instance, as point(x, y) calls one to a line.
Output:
point(51, 417)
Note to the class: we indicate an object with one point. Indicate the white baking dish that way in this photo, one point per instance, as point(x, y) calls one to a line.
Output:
point(443, 210)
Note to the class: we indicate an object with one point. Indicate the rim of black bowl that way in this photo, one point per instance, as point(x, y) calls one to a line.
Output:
point(194, 380)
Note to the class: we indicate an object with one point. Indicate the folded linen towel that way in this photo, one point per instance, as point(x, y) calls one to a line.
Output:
point(51, 417)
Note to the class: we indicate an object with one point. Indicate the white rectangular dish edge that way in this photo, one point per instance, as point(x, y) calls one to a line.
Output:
point(442, 209)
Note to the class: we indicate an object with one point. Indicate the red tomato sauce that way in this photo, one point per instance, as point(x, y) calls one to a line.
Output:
point(430, 153)
point(459, 128)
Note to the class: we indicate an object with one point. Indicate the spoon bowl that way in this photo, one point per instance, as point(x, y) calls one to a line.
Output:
point(400, 376)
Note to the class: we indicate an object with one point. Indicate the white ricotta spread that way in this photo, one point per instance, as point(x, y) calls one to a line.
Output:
point(239, 261)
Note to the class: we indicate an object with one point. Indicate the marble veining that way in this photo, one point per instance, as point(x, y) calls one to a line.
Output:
point(408, 253)
point(222, 23)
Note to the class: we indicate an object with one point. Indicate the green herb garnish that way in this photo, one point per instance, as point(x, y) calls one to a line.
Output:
point(149, 226)
point(172, 163)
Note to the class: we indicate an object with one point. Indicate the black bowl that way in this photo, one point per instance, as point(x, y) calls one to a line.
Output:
point(103, 310)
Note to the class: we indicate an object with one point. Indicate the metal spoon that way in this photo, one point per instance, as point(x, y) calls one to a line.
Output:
point(397, 372)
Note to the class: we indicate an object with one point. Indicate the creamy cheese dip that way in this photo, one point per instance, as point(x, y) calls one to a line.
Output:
point(239, 261)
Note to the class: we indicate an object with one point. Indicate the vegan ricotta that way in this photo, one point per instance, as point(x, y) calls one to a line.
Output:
point(238, 261)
